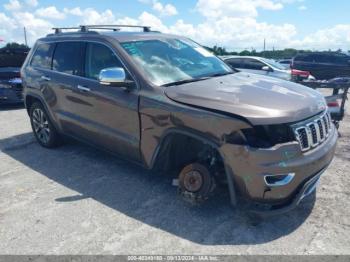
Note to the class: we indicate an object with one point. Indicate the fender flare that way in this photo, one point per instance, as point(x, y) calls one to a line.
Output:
point(215, 145)
point(42, 101)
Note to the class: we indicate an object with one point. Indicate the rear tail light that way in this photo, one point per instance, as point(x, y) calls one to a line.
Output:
point(333, 104)
point(300, 73)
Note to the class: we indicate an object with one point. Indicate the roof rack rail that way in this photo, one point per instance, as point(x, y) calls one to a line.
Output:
point(114, 27)
point(59, 29)
point(85, 28)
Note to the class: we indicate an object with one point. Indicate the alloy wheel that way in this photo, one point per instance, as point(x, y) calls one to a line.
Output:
point(41, 125)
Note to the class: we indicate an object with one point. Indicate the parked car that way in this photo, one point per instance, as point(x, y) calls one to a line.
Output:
point(323, 65)
point(166, 103)
point(285, 62)
point(264, 66)
point(11, 89)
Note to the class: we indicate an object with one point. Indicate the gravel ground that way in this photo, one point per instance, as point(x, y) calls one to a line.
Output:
point(78, 200)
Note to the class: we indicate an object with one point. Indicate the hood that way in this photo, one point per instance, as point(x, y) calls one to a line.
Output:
point(261, 100)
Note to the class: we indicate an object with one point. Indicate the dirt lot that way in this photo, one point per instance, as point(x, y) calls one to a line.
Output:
point(77, 200)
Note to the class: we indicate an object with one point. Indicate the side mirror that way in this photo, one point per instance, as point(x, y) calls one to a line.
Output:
point(267, 69)
point(114, 76)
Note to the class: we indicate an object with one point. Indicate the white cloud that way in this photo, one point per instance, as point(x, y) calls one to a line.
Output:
point(91, 16)
point(234, 8)
point(13, 5)
point(32, 3)
point(50, 12)
point(236, 33)
point(334, 37)
point(74, 11)
point(229, 23)
point(148, 19)
point(7, 23)
point(164, 10)
point(268, 5)
point(13, 27)
point(302, 7)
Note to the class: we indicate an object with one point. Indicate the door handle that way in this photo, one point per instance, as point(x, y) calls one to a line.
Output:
point(46, 78)
point(83, 88)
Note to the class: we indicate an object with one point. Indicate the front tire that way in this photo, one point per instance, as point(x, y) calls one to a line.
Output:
point(43, 129)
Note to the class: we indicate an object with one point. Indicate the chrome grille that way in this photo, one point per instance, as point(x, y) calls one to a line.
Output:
point(313, 132)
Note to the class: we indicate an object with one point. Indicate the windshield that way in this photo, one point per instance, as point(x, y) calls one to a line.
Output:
point(168, 61)
point(274, 64)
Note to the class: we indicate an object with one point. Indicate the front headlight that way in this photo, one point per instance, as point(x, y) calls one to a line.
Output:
point(266, 136)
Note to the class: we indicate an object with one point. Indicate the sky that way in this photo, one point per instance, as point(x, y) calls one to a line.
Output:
point(233, 24)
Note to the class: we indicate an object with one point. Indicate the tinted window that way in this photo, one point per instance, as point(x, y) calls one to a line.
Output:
point(253, 64)
point(42, 56)
point(68, 58)
point(304, 58)
point(338, 59)
point(99, 57)
point(320, 58)
point(234, 62)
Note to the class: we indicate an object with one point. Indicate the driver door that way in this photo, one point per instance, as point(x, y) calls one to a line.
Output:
point(109, 114)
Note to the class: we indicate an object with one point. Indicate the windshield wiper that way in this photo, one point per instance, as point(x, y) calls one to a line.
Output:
point(221, 74)
point(176, 83)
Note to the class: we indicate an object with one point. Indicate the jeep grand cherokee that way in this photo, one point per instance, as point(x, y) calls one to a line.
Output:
point(165, 102)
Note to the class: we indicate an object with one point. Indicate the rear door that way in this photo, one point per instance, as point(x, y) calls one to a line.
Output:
point(105, 116)
point(67, 70)
point(36, 74)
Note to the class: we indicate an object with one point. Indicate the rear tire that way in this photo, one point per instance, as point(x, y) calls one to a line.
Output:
point(43, 129)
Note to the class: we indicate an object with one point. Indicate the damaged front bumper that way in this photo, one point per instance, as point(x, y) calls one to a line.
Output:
point(280, 176)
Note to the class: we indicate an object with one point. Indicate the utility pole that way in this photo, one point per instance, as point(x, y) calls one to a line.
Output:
point(264, 47)
point(25, 36)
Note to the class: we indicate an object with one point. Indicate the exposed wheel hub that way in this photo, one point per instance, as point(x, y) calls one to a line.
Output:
point(193, 181)
point(196, 183)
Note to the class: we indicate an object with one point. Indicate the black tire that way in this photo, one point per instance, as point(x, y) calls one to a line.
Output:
point(203, 183)
point(43, 129)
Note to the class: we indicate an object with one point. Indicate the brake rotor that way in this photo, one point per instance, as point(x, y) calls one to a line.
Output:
point(193, 181)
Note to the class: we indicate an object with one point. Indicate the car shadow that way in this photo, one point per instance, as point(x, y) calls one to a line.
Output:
point(149, 197)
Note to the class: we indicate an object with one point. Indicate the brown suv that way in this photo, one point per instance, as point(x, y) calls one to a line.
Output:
point(168, 104)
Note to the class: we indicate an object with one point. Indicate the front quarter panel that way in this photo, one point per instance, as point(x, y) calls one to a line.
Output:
point(161, 116)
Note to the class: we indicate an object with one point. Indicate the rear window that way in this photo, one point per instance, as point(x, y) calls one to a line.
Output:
point(253, 64)
point(234, 62)
point(42, 56)
point(68, 58)
point(339, 59)
point(322, 58)
point(304, 58)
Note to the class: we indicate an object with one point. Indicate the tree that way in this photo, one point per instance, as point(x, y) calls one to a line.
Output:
point(15, 45)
